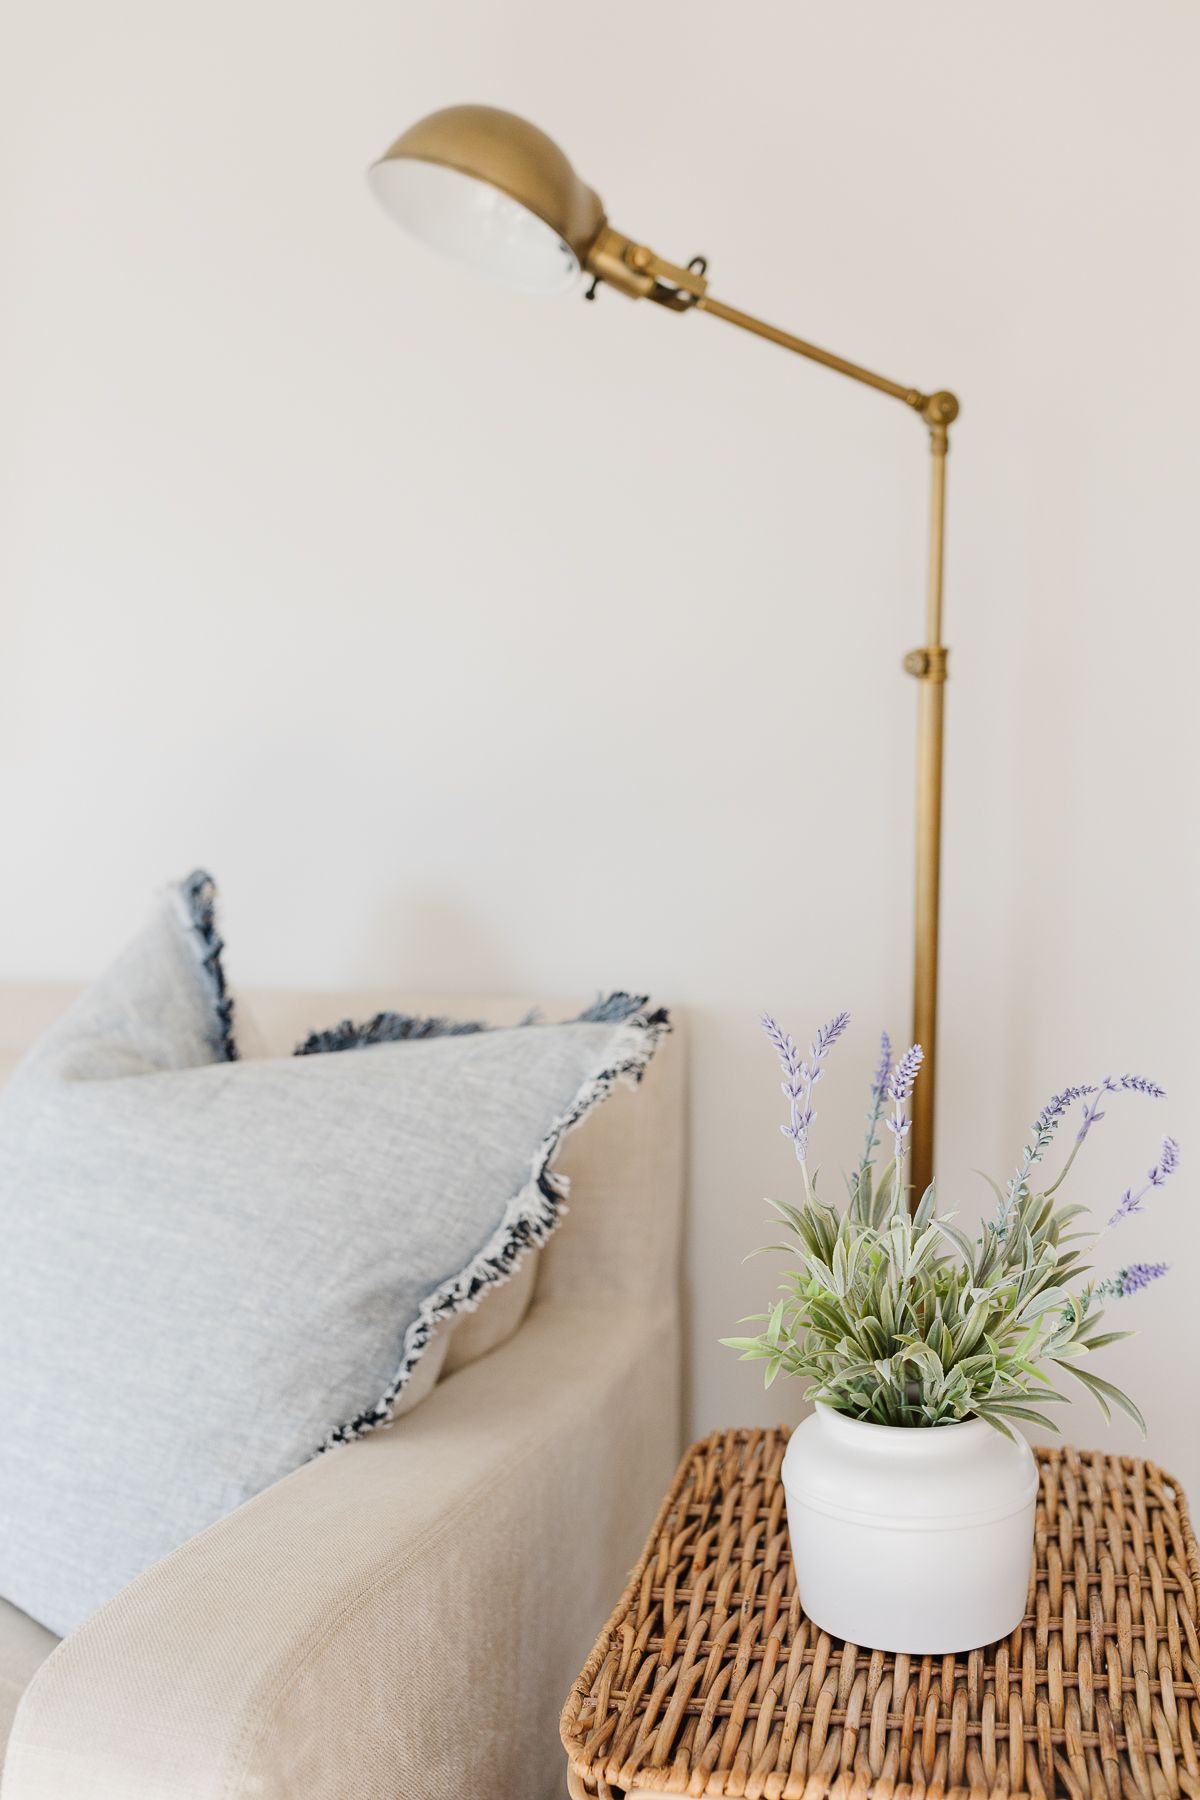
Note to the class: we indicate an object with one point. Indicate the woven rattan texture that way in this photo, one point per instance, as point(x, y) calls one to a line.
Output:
point(708, 1678)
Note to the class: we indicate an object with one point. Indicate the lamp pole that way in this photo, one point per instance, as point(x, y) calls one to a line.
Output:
point(928, 665)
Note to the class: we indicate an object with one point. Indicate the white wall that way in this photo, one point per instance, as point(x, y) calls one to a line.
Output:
point(528, 645)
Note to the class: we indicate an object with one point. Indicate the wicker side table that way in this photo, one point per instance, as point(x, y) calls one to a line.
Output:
point(709, 1680)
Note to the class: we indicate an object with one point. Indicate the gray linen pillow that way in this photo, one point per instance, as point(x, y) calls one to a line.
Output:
point(212, 1269)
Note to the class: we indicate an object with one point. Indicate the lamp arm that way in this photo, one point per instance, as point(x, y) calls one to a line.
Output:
point(639, 272)
point(800, 347)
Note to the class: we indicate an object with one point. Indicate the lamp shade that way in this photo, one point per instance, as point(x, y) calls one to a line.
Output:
point(488, 189)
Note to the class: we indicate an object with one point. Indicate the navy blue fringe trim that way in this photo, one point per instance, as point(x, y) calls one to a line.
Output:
point(540, 1201)
point(396, 1027)
point(199, 893)
point(384, 1028)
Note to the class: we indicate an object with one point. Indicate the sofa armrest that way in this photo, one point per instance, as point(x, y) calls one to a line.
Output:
point(401, 1617)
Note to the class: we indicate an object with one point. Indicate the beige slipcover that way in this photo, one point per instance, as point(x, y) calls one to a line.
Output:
point(402, 1617)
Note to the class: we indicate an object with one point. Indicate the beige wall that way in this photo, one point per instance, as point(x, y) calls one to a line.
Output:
point(479, 641)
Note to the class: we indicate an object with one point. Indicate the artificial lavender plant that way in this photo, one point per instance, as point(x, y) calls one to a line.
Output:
point(901, 1319)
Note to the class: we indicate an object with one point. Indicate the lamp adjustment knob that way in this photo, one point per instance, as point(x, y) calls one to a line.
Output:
point(928, 664)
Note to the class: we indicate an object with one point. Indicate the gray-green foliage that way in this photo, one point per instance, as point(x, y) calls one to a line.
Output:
point(903, 1320)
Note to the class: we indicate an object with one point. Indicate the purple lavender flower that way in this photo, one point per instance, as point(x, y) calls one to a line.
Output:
point(1129, 1203)
point(1130, 1280)
point(900, 1086)
point(792, 1083)
point(1044, 1128)
point(1168, 1162)
point(800, 1077)
point(828, 1036)
point(1055, 1107)
point(879, 1087)
point(789, 1056)
point(1115, 1084)
point(1091, 1098)
point(1134, 1084)
point(1049, 1119)
point(882, 1074)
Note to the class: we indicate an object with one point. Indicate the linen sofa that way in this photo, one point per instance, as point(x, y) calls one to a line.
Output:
point(404, 1616)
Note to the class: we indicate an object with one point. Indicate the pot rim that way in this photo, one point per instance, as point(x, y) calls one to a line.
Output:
point(911, 1436)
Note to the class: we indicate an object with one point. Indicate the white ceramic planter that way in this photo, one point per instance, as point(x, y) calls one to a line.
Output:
point(914, 1540)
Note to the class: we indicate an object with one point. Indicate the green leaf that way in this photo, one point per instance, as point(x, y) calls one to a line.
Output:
point(995, 1420)
point(908, 1322)
point(1031, 1369)
point(1104, 1391)
point(1001, 1196)
point(1011, 1410)
point(959, 1239)
point(924, 1212)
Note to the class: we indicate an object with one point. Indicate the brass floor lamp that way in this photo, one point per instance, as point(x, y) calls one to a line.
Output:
point(488, 189)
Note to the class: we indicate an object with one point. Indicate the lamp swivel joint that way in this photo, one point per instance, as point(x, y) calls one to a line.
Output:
point(636, 270)
point(939, 412)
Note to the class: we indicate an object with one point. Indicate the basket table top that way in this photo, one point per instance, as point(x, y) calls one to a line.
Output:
point(709, 1679)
